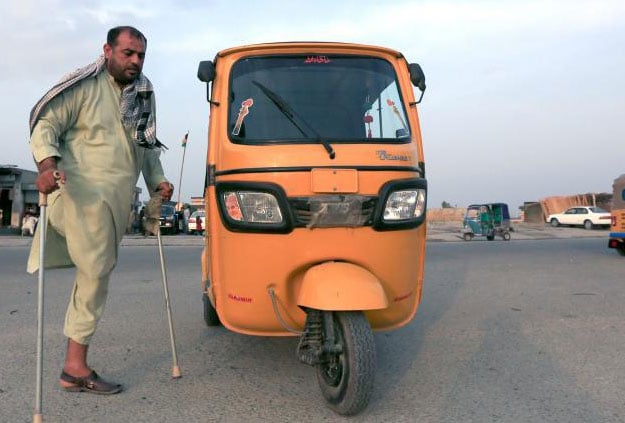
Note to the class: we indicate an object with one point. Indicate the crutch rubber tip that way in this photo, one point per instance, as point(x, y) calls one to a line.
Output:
point(175, 373)
point(37, 418)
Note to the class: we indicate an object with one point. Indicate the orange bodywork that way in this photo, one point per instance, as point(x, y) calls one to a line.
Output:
point(331, 268)
point(617, 229)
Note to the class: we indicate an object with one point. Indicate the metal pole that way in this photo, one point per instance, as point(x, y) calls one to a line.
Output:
point(184, 151)
point(175, 369)
point(43, 221)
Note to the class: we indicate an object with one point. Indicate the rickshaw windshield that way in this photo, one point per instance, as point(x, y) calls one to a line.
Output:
point(312, 99)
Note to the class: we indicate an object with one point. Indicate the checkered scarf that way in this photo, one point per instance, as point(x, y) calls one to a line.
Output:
point(135, 105)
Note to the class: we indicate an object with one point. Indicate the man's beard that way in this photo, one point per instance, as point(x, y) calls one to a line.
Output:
point(119, 74)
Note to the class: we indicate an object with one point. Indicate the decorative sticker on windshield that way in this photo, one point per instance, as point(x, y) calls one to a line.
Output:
point(391, 103)
point(243, 111)
point(317, 59)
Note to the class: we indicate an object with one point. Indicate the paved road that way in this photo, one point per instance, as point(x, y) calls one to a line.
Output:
point(528, 331)
point(436, 232)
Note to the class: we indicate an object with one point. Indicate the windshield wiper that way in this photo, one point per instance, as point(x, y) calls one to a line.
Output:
point(294, 117)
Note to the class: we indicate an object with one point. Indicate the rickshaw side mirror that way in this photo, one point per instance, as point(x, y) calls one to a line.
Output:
point(417, 77)
point(206, 71)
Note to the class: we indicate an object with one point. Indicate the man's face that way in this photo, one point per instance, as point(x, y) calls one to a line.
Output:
point(124, 59)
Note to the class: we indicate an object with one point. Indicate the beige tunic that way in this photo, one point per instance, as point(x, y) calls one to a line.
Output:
point(82, 126)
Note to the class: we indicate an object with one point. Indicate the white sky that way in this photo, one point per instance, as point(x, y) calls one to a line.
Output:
point(525, 99)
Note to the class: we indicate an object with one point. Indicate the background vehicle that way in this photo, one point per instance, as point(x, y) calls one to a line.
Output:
point(588, 217)
point(170, 220)
point(197, 222)
point(617, 230)
point(315, 202)
point(489, 220)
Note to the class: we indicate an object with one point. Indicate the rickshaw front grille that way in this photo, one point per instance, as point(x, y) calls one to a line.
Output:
point(329, 211)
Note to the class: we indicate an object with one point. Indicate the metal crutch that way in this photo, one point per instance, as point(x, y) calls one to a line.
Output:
point(43, 221)
point(153, 213)
point(175, 372)
point(43, 205)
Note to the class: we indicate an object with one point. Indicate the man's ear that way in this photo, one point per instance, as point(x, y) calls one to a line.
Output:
point(107, 50)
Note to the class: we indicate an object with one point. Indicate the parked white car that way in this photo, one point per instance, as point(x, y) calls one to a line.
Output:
point(197, 222)
point(588, 217)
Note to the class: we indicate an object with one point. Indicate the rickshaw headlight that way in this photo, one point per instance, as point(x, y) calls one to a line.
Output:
point(404, 204)
point(260, 207)
point(252, 207)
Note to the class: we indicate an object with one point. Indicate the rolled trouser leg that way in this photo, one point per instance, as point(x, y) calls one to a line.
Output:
point(86, 306)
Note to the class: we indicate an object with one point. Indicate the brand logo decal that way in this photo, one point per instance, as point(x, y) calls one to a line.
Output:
point(239, 298)
point(385, 155)
point(402, 297)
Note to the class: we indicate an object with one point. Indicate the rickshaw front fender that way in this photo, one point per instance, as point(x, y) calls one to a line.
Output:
point(341, 286)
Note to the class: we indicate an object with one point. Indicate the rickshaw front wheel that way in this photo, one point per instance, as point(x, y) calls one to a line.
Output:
point(210, 314)
point(346, 378)
point(506, 236)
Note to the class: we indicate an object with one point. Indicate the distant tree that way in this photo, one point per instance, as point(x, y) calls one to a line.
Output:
point(446, 205)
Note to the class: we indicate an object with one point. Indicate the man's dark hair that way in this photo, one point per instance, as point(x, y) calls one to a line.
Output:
point(111, 37)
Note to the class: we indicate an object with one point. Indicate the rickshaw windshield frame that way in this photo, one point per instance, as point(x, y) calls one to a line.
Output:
point(312, 98)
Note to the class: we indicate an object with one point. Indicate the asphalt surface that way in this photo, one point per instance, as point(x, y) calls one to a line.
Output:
point(530, 330)
point(436, 232)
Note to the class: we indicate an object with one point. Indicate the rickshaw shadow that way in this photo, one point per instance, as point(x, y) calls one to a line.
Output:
point(399, 351)
point(235, 351)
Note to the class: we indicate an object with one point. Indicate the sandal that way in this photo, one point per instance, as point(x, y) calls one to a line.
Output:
point(92, 383)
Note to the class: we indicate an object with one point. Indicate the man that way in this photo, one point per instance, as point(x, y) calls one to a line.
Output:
point(94, 131)
point(186, 214)
point(28, 224)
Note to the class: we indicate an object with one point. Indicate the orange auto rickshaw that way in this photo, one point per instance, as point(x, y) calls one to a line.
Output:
point(315, 197)
point(617, 214)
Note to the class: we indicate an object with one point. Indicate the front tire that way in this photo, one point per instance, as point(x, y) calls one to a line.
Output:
point(588, 225)
point(555, 223)
point(346, 378)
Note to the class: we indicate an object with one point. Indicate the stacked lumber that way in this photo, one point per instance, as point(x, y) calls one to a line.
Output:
point(455, 214)
point(558, 204)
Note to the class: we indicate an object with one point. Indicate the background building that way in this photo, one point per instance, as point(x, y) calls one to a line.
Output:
point(18, 195)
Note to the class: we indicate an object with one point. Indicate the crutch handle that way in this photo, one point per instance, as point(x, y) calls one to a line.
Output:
point(43, 199)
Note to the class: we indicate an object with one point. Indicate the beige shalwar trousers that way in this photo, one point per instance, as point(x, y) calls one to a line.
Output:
point(90, 290)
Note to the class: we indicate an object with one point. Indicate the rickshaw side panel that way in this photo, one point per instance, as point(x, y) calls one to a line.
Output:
point(617, 228)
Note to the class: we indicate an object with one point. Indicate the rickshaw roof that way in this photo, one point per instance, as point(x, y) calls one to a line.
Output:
point(474, 206)
point(309, 46)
